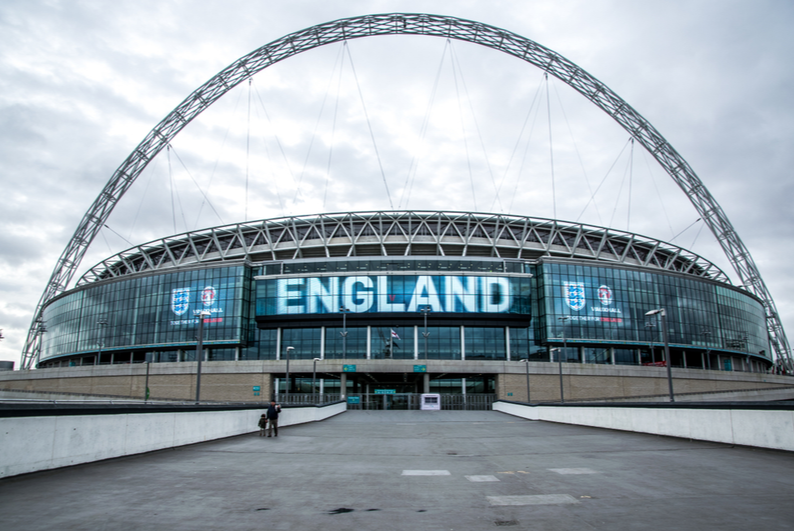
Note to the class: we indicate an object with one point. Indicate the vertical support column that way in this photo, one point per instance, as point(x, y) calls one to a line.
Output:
point(343, 385)
point(237, 353)
point(278, 344)
point(416, 343)
point(426, 383)
point(463, 345)
point(322, 342)
point(508, 343)
point(369, 333)
point(612, 355)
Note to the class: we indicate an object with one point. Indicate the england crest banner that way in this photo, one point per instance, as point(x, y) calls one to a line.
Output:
point(574, 295)
point(180, 300)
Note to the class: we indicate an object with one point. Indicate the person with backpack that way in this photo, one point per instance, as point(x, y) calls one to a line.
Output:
point(273, 418)
point(263, 424)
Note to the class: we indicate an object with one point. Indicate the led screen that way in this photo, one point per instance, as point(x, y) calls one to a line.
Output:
point(397, 293)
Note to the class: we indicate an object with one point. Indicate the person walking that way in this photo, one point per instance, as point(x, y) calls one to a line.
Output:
point(263, 424)
point(273, 418)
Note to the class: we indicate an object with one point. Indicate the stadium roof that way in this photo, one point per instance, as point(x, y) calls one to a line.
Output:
point(401, 233)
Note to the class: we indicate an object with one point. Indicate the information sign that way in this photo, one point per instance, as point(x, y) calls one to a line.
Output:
point(349, 368)
point(385, 391)
point(353, 399)
point(420, 368)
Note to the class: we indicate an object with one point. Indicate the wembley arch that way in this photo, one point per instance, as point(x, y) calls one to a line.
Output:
point(409, 24)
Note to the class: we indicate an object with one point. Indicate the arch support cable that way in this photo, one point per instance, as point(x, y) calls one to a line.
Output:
point(410, 24)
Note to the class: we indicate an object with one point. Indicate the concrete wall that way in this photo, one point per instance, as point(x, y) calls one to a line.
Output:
point(234, 381)
point(42, 443)
point(764, 429)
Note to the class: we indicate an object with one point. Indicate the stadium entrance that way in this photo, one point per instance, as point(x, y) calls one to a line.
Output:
point(405, 401)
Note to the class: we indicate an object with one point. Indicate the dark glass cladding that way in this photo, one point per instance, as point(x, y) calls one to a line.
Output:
point(153, 311)
point(608, 305)
point(491, 311)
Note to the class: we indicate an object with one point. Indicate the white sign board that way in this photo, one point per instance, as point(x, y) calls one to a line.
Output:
point(430, 402)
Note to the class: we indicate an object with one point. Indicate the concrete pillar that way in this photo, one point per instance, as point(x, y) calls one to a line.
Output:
point(343, 385)
point(416, 343)
point(278, 344)
point(369, 333)
point(322, 342)
point(426, 383)
point(612, 355)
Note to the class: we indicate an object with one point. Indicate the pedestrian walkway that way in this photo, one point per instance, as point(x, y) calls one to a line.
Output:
point(417, 470)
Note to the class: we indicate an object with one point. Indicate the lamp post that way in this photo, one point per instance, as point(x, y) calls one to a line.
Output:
point(563, 321)
point(344, 332)
point(527, 376)
point(661, 312)
point(560, 371)
point(200, 353)
point(425, 334)
point(314, 372)
point(706, 334)
point(287, 376)
point(651, 326)
point(146, 382)
point(101, 322)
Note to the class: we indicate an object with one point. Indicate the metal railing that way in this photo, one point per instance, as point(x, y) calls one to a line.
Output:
point(303, 399)
point(411, 401)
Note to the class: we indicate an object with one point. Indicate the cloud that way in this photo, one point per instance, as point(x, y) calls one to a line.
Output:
point(82, 83)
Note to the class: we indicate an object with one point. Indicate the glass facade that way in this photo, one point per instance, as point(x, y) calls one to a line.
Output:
point(154, 311)
point(587, 304)
point(479, 310)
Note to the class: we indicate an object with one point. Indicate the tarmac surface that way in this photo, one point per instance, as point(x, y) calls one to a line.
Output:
point(417, 470)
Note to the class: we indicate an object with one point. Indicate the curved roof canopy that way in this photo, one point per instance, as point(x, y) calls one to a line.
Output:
point(404, 233)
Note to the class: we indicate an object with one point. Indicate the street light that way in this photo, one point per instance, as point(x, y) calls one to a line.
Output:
point(651, 326)
point(560, 371)
point(527, 375)
point(425, 334)
point(314, 371)
point(344, 332)
point(706, 334)
point(101, 323)
point(563, 321)
point(661, 312)
point(200, 353)
point(287, 376)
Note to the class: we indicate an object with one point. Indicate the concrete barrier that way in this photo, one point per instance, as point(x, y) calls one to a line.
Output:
point(32, 443)
point(764, 427)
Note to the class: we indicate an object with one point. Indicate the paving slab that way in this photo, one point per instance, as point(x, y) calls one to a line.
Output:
point(414, 470)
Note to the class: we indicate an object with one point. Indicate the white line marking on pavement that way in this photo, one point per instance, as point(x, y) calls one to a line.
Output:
point(573, 470)
point(476, 479)
point(425, 473)
point(541, 499)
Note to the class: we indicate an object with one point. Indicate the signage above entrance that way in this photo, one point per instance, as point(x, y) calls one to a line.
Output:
point(393, 294)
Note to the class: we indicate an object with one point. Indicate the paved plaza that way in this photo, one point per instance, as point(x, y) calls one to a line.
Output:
point(417, 470)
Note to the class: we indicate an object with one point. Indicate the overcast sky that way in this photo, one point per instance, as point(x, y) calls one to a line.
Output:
point(82, 82)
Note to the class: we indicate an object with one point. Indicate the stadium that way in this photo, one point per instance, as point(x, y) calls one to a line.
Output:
point(380, 307)
point(358, 291)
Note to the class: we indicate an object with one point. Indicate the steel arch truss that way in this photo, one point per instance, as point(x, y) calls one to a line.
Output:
point(411, 24)
point(452, 234)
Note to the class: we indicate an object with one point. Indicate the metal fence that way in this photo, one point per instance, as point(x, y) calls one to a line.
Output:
point(302, 399)
point(394, 401)
point(408, 401)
